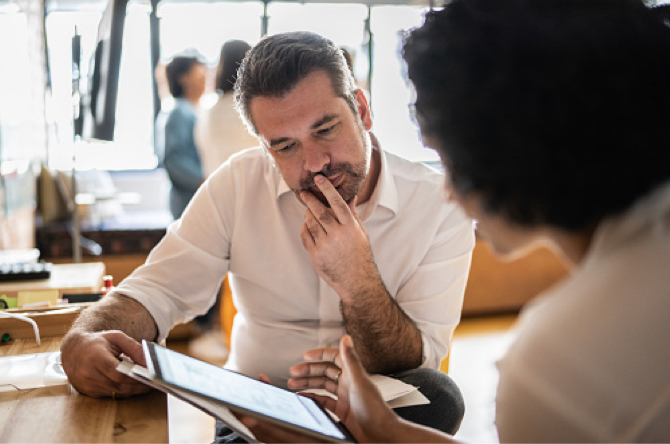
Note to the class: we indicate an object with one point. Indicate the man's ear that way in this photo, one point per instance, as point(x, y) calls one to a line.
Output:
point(364, 109)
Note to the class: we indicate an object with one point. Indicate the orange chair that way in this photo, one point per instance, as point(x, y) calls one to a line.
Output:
point(227, 311)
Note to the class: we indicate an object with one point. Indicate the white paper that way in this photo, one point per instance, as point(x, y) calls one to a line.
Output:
point(395, 392)
point(36, 370)
point(412, 398)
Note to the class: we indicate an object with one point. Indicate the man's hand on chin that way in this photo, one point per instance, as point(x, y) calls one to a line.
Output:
point(336, 240)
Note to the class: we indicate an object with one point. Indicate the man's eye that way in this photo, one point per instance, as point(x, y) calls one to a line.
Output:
point(286, 147)
point(327, 130)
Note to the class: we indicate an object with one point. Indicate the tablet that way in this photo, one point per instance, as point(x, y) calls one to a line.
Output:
point(243, 394)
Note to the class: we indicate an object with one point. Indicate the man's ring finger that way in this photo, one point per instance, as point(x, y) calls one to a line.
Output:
point(337, 376)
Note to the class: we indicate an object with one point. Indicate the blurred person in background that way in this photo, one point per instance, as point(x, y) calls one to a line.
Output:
point(219, 131)
point(186, 76)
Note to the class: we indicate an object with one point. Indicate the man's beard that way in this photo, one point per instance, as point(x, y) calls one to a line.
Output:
point(353, 177)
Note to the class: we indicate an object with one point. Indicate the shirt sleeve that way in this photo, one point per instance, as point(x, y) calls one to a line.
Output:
point(183, 273)
point(182, 161)
point(433, 295)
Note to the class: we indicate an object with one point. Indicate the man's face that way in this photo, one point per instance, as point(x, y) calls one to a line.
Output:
point(310, 131)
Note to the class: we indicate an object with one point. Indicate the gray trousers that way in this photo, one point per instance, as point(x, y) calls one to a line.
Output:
point(445, 411)
point(447, 407)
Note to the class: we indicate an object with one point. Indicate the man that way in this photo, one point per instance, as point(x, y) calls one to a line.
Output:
point(322, 232)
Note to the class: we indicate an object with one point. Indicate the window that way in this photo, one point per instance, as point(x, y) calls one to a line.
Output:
point(204, 27)
point(16, 90)
point(133, 145)
point(343, 23)
point(391, 94)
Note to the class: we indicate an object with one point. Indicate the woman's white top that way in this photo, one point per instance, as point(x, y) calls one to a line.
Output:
point(591, 361)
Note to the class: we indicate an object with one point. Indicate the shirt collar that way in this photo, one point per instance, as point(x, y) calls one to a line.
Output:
point(384, 195)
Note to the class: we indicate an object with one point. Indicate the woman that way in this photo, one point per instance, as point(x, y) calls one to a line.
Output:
point(220, 133)
point(551, 120)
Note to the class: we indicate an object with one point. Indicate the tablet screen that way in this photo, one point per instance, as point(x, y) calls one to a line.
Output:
point(238, 390)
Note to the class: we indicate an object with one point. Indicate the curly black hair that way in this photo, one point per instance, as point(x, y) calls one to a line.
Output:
point(553, 111)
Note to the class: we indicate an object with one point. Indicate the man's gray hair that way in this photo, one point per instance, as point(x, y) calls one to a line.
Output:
point(279, 62)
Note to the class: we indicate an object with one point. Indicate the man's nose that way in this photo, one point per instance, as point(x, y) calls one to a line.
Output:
point(315, 158)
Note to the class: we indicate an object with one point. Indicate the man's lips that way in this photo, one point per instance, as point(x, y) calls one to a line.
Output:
point(336, 180)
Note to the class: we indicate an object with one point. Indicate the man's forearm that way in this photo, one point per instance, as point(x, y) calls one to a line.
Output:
point(386, 338)
point(116, 312)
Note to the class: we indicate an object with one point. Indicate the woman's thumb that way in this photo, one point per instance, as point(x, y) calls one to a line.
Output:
point(349, 356)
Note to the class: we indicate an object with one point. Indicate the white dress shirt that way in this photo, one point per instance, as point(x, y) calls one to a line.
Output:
point(591, 362)
point(246, 221)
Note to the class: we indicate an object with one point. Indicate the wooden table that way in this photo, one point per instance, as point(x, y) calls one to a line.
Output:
point(61, 414)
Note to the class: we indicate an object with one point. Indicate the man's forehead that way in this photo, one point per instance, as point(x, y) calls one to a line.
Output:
point(315, 83)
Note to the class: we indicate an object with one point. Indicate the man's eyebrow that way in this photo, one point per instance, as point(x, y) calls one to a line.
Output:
point(323, 120)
